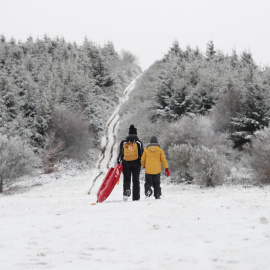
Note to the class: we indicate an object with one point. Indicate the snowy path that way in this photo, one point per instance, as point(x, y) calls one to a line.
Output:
point(54, 226)
point(109, 148)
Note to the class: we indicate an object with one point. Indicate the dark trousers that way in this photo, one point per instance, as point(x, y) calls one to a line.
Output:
point(132, 168)
point(152, 180)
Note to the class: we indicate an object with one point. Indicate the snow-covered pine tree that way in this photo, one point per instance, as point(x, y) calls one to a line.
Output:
point(210, 50)
point(254, 115)
point(234, 59)
point(175, 52)
point(98, 68)
point(9, 108)
point(180, 101)
point(163, 94)
point(109, 52)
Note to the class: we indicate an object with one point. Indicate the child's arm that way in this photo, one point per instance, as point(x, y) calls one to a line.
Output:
point(143, 159)
point(163, 159)
point(164, 163)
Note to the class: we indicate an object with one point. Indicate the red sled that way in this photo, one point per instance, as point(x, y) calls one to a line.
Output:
point(112, 177)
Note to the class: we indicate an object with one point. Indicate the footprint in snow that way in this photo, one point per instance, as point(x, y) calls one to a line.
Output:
point(264, 220)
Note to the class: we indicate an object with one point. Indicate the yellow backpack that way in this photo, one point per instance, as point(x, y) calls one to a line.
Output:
point(130, 151)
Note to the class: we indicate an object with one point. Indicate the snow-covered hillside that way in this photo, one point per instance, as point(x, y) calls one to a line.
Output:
point(54, 226)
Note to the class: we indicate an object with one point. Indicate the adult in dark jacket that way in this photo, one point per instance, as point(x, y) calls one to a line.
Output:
point(131, 168)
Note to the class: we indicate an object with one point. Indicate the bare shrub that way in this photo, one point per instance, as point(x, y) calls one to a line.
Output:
point(226, 108)
point(16, 159)
point(208, 167)
point(198, 164)
point(128, 57)
point(180, 157)
point(72, 133)
point(260, 153)
point(197, 131)
point(52, 153)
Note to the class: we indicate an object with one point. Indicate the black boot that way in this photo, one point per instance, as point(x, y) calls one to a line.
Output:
point(126, 194)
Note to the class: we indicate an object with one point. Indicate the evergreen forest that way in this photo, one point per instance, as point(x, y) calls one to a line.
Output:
point(55, 99)
point(210, 111)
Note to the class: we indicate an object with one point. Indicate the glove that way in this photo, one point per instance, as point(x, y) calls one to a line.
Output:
point(167, 173)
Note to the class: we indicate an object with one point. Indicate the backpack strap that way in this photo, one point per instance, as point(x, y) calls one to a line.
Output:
point(121, 152)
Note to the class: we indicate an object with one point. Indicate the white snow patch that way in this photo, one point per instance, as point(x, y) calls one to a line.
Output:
point(54, 226)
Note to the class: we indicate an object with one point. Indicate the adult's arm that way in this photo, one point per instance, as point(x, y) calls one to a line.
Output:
point(121, 152)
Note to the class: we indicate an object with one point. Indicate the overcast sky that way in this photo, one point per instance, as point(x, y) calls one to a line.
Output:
point(146, 28)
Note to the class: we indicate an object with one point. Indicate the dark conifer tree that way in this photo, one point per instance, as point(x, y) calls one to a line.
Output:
point(38, 77)
point(210, 51)
point(254, 114)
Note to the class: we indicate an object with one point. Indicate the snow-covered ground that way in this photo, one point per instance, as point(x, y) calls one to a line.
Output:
point(54, 226)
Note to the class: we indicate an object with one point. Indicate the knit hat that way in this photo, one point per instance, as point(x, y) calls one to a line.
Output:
point(132, 130)
point(153, 139)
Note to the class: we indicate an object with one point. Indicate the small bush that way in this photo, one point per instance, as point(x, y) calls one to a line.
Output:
point(180, 157)
point(260, 153)
point(208, 167)
point(52, 153)
point(16, 159)
point(198, 164)
point(197, 131)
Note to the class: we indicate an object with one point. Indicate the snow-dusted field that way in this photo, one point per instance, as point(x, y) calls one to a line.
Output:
point(55, 227)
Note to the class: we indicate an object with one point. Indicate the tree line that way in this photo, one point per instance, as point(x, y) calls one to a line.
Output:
point(204, 104)
point(56, 95)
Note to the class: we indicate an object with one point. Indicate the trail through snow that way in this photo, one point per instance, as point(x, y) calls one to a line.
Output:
point(54, 225)
point(109, 147)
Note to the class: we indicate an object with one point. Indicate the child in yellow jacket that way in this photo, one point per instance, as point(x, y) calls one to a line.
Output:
point(151, 160)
